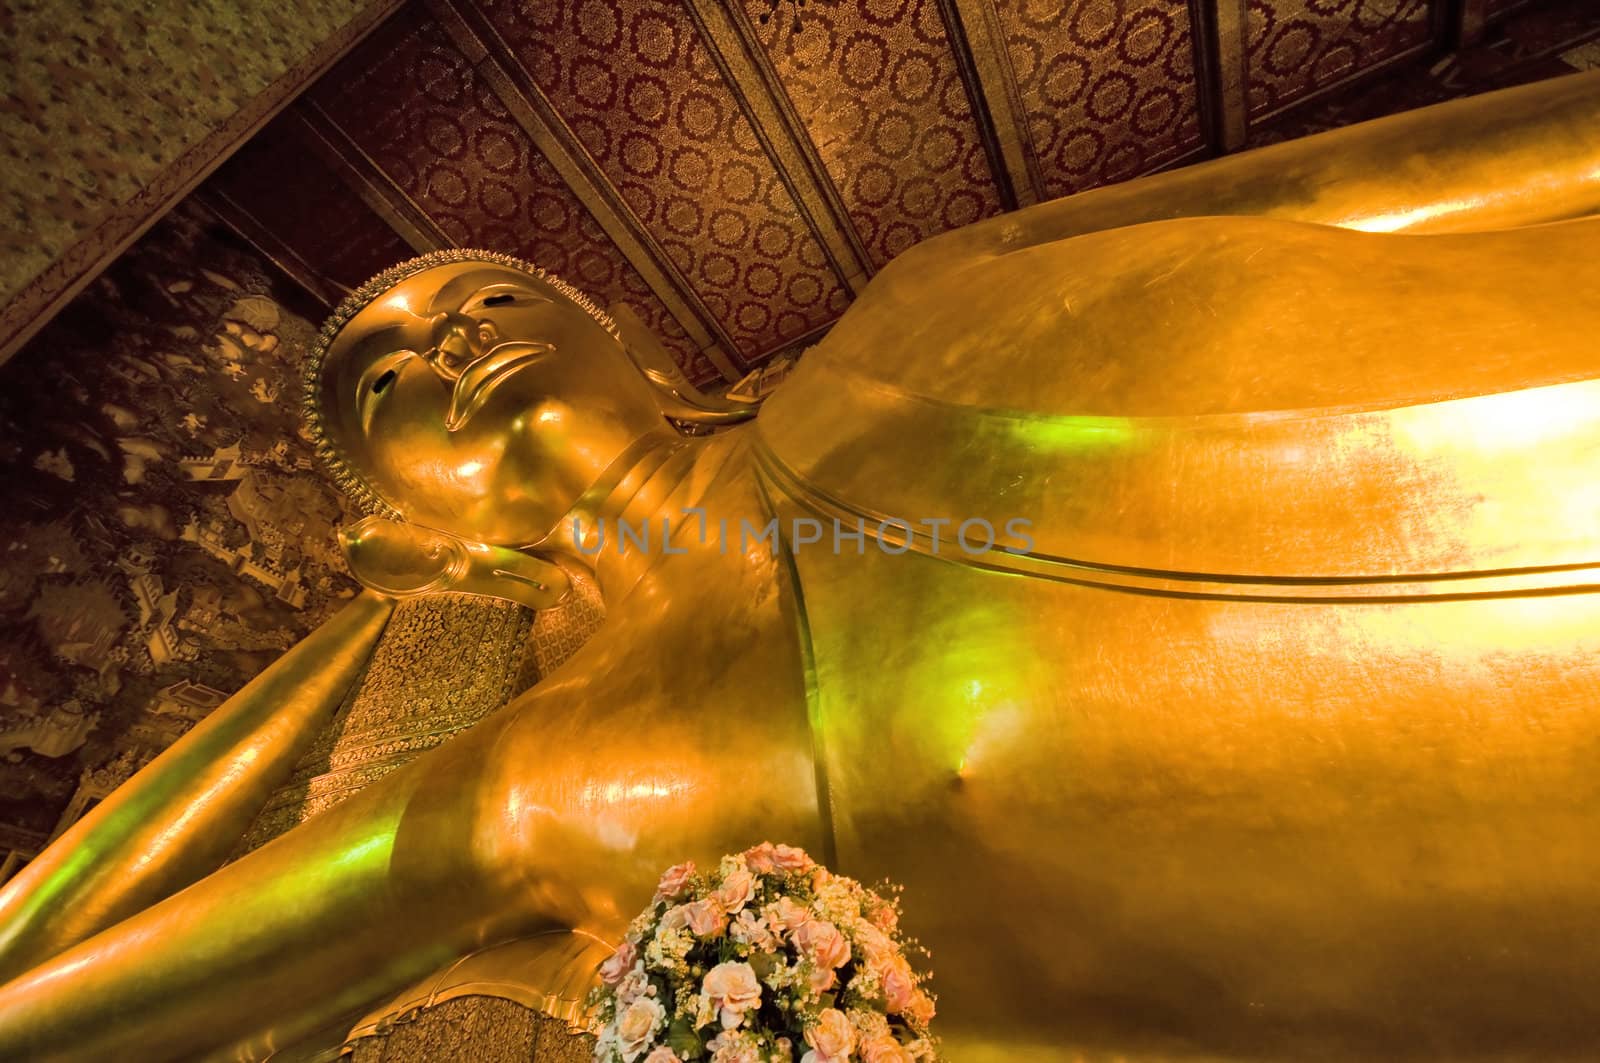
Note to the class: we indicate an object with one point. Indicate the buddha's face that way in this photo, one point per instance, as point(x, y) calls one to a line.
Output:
point(478, 399)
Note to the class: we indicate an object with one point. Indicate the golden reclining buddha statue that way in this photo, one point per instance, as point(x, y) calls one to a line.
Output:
point(1187, 589)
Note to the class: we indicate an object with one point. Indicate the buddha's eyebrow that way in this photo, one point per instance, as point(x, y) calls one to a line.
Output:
point(502, 294)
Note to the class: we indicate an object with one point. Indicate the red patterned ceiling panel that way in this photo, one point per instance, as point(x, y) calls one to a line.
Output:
point(636, 84)
point(294, 195)
point(1297, 47)
point(416, 107)
point(1108, 86)
point(876, 84)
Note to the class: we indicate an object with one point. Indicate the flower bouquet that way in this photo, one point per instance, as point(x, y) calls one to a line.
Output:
point(770, 957)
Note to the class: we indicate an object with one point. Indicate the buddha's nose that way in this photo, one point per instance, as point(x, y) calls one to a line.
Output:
point(458, 342)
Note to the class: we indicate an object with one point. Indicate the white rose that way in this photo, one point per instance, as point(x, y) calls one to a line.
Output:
point(734, 990)
point(637, 1026)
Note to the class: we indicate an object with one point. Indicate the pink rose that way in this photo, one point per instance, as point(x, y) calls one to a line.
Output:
point(735, 891)
point(733, 990)
point(789, 858)
point(619, 963)
point(762, 859)
point(822, 942)
point(831, 1038)
point(706, 918)
point(663, 1054)
point(790, 914)
point(884, 917)
point(674, 881)
point(882, 1049)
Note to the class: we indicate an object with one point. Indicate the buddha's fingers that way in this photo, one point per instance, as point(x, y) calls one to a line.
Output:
point(1516, 157)
point(181, 815)
point(347, 908)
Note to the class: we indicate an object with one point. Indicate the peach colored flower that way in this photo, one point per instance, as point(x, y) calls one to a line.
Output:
point(899, 985)
point(675, 918)
point(706, 918)
point(831, 1038)
point(733, 990)
point(637, 1026)
point(874, 943)
point(663, 1054)
point(762, 859)
point(821, 941)
point(788, 858)
point(674, 881)
point(634, 984)
point(752, 930)
point(884, 917)
point(921, 1010)
point(791, 915)
point(736, 891)
point(725, 1049)
point(882, 1049)
point(619, 963)
point(821, 979)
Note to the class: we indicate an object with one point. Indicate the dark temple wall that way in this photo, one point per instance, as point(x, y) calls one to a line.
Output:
point(165, 532)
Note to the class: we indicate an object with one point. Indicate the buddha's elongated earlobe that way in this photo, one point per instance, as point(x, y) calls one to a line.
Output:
point(679, 399)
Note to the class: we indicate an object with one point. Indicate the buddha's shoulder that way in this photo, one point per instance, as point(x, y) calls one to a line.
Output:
point(1224, 397)
point(1224, 316)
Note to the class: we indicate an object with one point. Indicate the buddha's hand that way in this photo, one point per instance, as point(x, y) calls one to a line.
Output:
point(400, 560)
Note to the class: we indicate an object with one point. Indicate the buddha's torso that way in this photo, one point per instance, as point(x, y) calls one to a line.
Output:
point(1232, 762)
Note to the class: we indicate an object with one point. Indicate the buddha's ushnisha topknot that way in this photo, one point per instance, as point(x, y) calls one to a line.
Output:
point(346, 478)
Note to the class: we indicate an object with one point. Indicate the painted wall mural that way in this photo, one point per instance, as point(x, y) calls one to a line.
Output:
point(165, 532)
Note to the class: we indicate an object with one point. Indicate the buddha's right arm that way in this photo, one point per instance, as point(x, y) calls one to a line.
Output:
point(353, 905)
point(181, 815)
point(1516, 157)
point(556, 813)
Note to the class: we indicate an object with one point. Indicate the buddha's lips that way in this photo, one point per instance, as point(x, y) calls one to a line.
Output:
point(478, 380)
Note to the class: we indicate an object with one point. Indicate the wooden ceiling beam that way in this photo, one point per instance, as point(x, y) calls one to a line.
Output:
point(1461, 22)
point(243, 224)
point(759, 93)
point(323, 136)
point(1221, 72)
point(532, 111)
point(975, 30)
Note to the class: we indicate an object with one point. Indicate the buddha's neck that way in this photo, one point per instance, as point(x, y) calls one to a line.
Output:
point(645, 489)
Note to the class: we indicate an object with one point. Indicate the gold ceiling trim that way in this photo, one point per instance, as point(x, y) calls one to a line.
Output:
point(757, 91)
point(980, 24)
